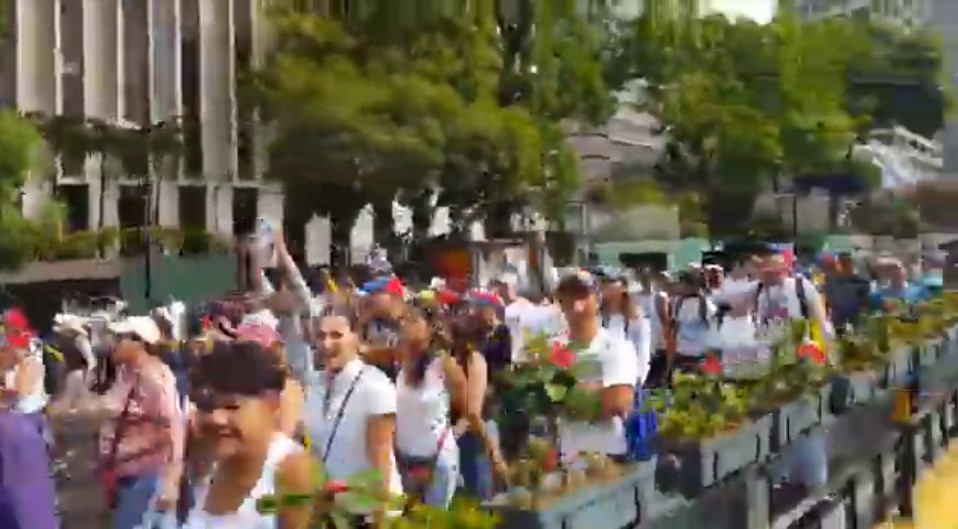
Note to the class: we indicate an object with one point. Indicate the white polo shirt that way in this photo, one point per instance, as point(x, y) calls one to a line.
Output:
point(614, 365)
point(374, 395)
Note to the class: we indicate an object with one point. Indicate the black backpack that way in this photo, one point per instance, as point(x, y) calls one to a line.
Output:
point(54, 369)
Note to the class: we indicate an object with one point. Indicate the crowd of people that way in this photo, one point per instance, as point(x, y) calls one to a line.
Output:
point(201, 415)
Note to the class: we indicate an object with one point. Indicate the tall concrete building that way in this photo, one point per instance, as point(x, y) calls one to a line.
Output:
point(136, 63)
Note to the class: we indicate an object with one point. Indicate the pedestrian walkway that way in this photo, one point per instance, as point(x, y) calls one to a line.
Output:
point(935, 497)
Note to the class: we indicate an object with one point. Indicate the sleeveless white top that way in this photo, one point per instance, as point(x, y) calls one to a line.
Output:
point(247, 516)
point(422, 415)
point(36, 399)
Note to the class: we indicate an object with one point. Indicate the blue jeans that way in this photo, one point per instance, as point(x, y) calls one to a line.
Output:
point(475, 467)
point(133, 497)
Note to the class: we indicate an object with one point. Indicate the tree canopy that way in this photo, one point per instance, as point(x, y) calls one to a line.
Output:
point(19, 142)
point(463, 107)
point(747, 106)
point(467, 104)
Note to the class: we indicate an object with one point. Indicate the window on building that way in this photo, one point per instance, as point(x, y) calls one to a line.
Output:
point(245, 209)
point(76, 199)
point(192, 202)
point(190, 81)
point(71, 76)
point(245, 117)
point(8, 58)
point(136, 62)
point(131, 210)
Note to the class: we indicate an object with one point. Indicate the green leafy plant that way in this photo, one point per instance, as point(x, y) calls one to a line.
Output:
point(699, 407)
point(799, 367)
point(546, 385)
point(336, 501)
point(796, 370)
point(461, 514)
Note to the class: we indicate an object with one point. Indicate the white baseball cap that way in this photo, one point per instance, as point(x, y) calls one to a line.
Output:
point(143, 327)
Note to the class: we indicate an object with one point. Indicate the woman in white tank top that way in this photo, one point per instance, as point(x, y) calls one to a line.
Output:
point(425, 443)
point(236, 393)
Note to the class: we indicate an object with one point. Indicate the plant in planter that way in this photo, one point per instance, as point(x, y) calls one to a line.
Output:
point(545, 385)
point(858, 352)
point(334, 500)
point(461, 514)
point(698, 407)
point(796, 372)
point(706, 433)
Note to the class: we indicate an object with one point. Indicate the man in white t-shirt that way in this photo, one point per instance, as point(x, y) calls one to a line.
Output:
point(779, 297)
point(524, 318)
point(614, 377)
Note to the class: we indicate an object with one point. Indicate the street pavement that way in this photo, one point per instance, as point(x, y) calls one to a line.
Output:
point(80, 496)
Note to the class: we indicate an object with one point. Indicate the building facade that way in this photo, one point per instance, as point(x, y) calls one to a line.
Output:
point(136, 63)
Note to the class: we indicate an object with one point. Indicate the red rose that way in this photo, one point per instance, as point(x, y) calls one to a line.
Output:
point(335, 486)
point(551, 460)
point(812, 351)
point(712, 365)
point(561, 356)
point(207, 323)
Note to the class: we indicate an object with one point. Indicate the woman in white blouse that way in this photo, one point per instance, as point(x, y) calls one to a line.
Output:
point(429, 383)
point(350, 412)
point(620, 316)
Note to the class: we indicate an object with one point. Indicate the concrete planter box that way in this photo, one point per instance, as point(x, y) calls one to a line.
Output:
point(690, 466)
point(853, 388)
point(926, 354)
point(795, 418)
point(618, 504)
point(899, 368)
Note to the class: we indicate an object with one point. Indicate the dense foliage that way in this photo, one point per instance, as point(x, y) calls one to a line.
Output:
point(461, 107)
point(19, 142)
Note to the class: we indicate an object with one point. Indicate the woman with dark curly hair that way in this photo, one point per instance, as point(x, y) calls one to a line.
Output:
point(237, 395)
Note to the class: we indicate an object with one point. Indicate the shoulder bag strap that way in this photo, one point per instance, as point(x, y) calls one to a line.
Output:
point(340, 413)
point(800, 294)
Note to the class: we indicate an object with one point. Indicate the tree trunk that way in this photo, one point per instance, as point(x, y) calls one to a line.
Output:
point(422, 213)
point(383, 223)
point(498, 223)
point(341, 229)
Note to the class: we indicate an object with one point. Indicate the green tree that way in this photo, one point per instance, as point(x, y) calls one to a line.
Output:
point(19, 144)
point(124, 148)
point(349, 128)
point(744, 104)
point(458, 103)
point(899, 79)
